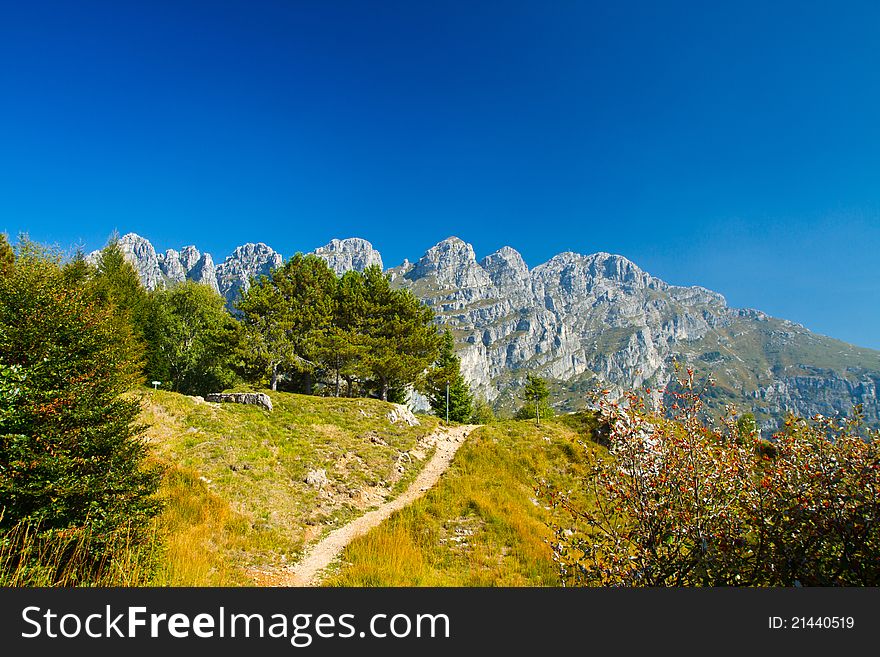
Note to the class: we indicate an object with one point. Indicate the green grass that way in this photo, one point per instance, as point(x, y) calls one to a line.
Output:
point(237, 499)
point(481, 525)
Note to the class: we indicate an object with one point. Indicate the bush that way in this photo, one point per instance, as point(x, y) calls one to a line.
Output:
point(682, 503)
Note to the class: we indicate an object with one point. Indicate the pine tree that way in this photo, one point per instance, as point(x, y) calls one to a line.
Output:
point(267, 344)
point(446, 377)
point(71, 456)
point(535, 394)
point(118, 283)
point(287, 315)
point(401, 338)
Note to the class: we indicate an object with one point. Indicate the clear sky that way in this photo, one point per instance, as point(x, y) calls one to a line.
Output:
point(731, 145)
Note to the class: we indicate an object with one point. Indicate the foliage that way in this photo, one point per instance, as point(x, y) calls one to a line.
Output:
point(747, 427)
point(535, 396)
point(401, 339)
point(447, 371)
point(191, 339)
point(116, 282)
point(482, 412)
point(305, 322)
point(7, 255)
point(680, 503)
point(286, 315)
point(71, 458)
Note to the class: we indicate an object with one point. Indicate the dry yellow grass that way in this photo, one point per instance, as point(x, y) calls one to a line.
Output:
point(481, 525)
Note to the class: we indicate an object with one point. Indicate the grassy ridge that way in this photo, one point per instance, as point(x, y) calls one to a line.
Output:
point(236, 490)
point(481, 525)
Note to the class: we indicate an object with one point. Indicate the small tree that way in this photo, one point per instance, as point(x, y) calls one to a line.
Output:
point(117, 282)
point(535, 394)
point(747, 427)
point(483, 412)
point(446, 388)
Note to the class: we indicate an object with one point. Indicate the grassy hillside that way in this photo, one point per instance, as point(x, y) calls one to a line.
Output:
point(482, 524)
point(238, 499)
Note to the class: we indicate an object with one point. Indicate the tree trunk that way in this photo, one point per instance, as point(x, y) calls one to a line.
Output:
point(349, 385)
point(385, 390)
point(337, 377)
point(274, 378)
point(308, 383)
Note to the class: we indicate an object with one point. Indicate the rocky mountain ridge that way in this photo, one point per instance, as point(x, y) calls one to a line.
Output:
point(581, 320)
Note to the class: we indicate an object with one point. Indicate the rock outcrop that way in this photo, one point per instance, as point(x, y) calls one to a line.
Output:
point(250, 398)
point(246, 262)
point(349, 254)
point(581, 320)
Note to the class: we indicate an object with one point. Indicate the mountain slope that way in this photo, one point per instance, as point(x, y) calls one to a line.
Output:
point(581, 320)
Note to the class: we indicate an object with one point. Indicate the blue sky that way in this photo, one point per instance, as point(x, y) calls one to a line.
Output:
point(731, 145)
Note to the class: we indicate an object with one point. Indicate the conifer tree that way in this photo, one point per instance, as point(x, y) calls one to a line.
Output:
point(117, 282)
point(401, 338)
point(70, 450)
point(446, 377)
point(267, 344)
point(287, 315)
point(343, 347)
point(535, 395)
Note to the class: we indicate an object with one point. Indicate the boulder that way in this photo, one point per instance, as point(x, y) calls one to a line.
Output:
point(252, 398)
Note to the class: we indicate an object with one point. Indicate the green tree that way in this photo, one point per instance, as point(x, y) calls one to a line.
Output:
point(446, 376)
point(401, 339)
point(483, 412)
point(77, 271)
point(344, 346)
point(7, 255)
point(191, 339)
point(267, 344)
point(535, 396)
point(71, 457)
point(117, 282)
point(286, 316)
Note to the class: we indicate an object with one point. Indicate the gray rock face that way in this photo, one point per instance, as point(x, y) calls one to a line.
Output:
point(582, 320)
point(246, 262)
point(251, 398)
point(349, 254)
point(189, 264)
point(451, 264)
point(585, 320)
point(142, 256)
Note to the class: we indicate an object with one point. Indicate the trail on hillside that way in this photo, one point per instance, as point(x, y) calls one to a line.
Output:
point(309, 570)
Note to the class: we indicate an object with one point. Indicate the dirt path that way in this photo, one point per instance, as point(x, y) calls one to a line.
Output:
point(309, 570)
